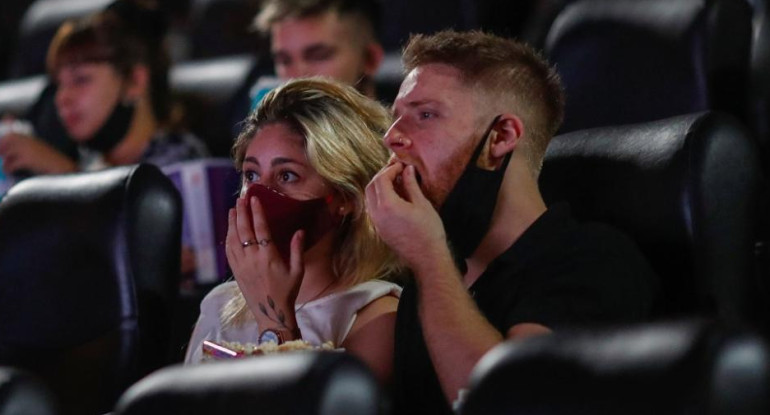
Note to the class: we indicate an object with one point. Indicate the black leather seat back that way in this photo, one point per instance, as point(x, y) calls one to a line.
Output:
point(401, 18)
point(38, 27)
point(388, 78)
point(305, 383)
point(220, 28)
point(686, 189)
point(677, 367)
point(760, 76)
point(89, 264)
point(11, 13)
point(18, 95)
point(539, 22)
point(215, 95)
point(22, 393)
point(627, 61)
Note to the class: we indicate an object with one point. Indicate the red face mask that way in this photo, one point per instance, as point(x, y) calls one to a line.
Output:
point(285, 216)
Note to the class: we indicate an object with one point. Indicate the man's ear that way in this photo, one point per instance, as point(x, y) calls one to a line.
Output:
point(507, 132)
point(373, 55)
point(138, 82)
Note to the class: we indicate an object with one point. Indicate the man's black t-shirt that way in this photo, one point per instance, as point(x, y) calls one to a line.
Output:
point(558, 273)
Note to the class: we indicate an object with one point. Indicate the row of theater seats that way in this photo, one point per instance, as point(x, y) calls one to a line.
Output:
point(217, 58)
point(202, 29)
point(629, 61)
point(620, 61)
point(213, 92)
point(686, 180)
point(198, 29)
point(682, 367)
point(89, 261)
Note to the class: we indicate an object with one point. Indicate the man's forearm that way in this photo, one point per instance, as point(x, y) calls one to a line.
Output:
point(456, 333)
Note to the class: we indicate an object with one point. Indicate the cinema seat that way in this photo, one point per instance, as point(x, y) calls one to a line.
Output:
point(214, 93)
point(90, 270)
point(21, 393)
point(628, 61)
point(760, 77)
point(38, 26)
point(687, 190)
point(218, 28)
point(667, 368)
point(299, 383)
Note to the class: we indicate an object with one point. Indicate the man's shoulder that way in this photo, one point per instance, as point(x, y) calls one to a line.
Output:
point(558, 233)
point(605, 238)
point(567, 251)
point(579, 273)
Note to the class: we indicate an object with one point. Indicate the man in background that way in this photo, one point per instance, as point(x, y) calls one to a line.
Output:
point(332, 38)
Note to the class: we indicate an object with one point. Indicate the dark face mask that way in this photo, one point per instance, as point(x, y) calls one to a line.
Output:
point(285, 216)
point(467, 210)
point(113, 130)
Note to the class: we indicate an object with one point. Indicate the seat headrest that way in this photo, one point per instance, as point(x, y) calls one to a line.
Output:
point(46, 14)
point(760, 76)
point(388, 78)
point(22, 392)
point(628, 61)
point(217, 78)
point(685, 188)
point(87, 236)
point(401, 18)
point(222, 28)
point(18, 95)
point(672, 367)
point(215, 96)
point(38, 27)
point(290, 383)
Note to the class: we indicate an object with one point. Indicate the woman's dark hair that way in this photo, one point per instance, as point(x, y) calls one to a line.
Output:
point(126, 33)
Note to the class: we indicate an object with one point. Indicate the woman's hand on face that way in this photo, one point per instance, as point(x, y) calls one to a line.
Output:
point(21, 152)
point(269, 285)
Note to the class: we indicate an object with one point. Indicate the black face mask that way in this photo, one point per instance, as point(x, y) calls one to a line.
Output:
point(113, 130)
point(467, 211)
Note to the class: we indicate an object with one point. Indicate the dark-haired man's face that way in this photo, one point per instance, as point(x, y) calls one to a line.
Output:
point(319, 45)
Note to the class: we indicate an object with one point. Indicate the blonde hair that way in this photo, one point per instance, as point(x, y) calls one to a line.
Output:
point(343, 133)
point(511, 76)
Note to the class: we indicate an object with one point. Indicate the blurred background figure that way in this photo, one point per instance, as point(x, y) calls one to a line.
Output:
point(332, 38)
point(112, 97)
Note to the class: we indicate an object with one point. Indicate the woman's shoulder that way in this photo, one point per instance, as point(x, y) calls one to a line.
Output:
point(368, 291)
point(219, 296)
point(375, 287)
point(331, 317)
point(354, 298)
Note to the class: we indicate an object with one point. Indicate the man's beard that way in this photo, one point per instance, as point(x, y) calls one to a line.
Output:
point(449, 172)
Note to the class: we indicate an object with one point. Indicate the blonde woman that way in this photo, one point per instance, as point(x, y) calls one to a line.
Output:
point(313, 142)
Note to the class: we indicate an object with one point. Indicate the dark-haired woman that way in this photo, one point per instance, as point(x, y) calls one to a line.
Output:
point(112, 96)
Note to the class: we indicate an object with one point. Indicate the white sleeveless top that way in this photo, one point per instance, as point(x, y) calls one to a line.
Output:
point(320, 320)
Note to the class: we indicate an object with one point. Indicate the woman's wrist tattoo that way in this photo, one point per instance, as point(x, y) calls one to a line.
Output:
point(276, 315)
